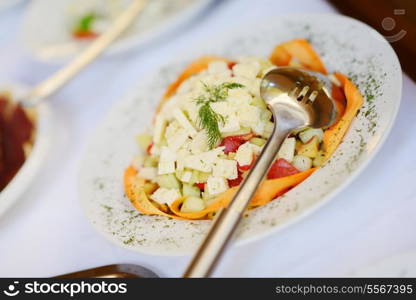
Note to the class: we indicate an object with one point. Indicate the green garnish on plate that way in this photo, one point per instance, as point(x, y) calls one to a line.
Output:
point(208, 118)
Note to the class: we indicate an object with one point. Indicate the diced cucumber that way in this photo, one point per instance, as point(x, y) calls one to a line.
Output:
point(190, 190)
point(319, 159)
point(192, 204)
point(256, 101)
point(199, 177)
point(149, 188)
point(257, 141)
point(309, 133)
point(203, 177)
point(268, 129)
point(168, 181)
point(266, 115)
point(144, 140)
point(150, 161)
point(231, 155)
point(287, 150)
point(243, 130)
point(265, 66)
point(302, 163)
point(310, 149)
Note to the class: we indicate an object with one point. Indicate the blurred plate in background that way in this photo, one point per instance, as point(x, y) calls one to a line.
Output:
point(48, 24)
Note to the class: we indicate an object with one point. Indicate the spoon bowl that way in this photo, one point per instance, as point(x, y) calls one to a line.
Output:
point(313, 106)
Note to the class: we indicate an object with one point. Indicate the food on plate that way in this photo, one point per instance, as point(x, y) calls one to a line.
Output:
point(211, 125)
point(88, 19)
point(17, 132)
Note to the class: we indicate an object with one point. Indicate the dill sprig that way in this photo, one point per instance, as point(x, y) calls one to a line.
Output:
point(208, 118)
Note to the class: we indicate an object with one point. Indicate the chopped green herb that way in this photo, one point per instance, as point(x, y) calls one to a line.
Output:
point(208, 118)
point(85, 22)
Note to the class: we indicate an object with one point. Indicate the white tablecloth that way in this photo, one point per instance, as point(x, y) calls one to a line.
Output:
point(46, 233)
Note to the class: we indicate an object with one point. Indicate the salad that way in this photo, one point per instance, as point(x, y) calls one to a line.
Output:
point(88, 19)
point(212, 124)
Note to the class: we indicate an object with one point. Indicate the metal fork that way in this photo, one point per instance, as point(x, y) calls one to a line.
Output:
point(297, 99)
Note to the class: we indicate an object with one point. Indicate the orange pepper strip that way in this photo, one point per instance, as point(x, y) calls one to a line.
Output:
point(133, 187)
point(334, 135)
point(301, 50)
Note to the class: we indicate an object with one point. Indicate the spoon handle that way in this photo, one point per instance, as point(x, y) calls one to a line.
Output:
point(97, 47)
point(228, 219)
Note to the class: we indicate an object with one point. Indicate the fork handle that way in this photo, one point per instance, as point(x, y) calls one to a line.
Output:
point(57, 80)
point(227, 220)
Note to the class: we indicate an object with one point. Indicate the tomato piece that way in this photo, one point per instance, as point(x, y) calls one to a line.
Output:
point(201, 186)
point(149, 148)
point(232, 143)
point(236, 181)
point(247, 167)
point(84, 35)
point(281, 168)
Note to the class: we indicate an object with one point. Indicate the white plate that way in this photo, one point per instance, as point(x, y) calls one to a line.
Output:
point(345, 45)
point(56, 43)
point(20, 182)
point(401, 265)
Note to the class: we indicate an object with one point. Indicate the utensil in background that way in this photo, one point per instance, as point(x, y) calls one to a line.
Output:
point(297, 99)
point(113, 271)
point(97, 47)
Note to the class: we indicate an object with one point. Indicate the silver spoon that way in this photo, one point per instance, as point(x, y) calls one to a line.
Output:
point(113, 271)
point(297, 99)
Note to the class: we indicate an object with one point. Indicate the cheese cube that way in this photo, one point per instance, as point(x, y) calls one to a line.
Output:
point(244, 155)
point(192, 110)
point(222, 108)
point(238, 97)
point(165, 196)
point(259, 127)
point(199, 143)
point(225, 168)
point(249, 115)
point(159, 130)
point(184, 122)
point(166, 167)
point(148, 173)
point(203, 161)
point(287, 150)
point(186, 176)
point(231, 124)
point(218, 67)
point(216, 185)
point(175, 135)
point(167, 155)
point(247, 70)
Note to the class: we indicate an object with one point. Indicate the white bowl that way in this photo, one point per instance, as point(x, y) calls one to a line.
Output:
point(20, 182)
point(344, 44)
